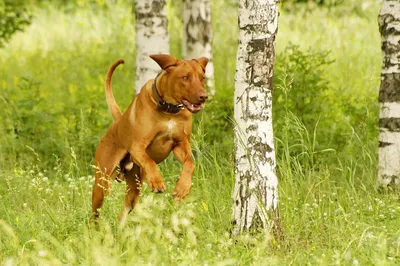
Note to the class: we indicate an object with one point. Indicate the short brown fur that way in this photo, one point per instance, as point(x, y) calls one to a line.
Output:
point(144, 136)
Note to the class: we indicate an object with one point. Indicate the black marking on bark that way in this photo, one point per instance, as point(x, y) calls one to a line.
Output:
point(390, 82)
point(263, 98)
point(393, 178)
point(384, 144)
point(387, 24)
point(389, 47)
point(260, 61)
point(156, 10)
point(390, 88)
point(256, 223)
point(244, 211)
point(158, 6)
point(258, 146)
point(251, 128)
point(392, 124)
point(253, 99)
point(245, 178)
point(203, 34)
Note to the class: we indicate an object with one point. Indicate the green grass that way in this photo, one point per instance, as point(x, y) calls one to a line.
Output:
point(54, 113)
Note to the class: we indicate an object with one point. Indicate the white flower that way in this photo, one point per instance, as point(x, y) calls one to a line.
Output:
point(42, 253)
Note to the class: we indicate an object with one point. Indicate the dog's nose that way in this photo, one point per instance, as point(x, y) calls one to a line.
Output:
point(203, 97)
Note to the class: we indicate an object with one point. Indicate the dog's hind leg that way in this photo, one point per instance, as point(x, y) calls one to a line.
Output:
point(124, 166)
point(108, 156)
point(134, 183)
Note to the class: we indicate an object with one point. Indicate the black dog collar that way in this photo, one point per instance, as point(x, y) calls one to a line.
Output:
point(163, 105)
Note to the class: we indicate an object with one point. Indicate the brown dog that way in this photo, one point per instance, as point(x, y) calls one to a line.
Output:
point(158, 121)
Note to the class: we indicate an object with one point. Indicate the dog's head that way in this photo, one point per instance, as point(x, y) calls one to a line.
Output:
point(185, 81)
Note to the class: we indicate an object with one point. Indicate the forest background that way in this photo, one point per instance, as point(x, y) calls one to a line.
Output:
point(325, 113)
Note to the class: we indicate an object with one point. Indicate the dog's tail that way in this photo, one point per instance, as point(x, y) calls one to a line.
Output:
point(112, 104)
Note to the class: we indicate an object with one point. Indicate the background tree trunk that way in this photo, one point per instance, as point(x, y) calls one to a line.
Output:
point(389, 95)
point(256, 187)
point(151, 38)
point(197, 35)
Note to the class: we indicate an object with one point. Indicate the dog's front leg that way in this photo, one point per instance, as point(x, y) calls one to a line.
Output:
point(183, 153)
point(148, 166)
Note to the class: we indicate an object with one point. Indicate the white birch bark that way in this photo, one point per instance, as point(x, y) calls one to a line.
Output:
point(389, 95)
point(197, 35)
point(151, 38)
point(256, 186)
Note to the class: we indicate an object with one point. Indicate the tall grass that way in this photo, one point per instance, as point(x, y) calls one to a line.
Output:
point(54, 113)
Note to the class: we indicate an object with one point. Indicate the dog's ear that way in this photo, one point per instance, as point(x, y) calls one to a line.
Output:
point(203, 62)
point(164, 60)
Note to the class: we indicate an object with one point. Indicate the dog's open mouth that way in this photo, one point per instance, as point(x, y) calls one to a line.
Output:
point(193, 107)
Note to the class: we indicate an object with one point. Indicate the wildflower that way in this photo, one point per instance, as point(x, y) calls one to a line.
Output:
point(185, 222)
point(204, 206)
point(42, 253)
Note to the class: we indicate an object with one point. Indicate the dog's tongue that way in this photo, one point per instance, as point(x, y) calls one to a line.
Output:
point(194, 108)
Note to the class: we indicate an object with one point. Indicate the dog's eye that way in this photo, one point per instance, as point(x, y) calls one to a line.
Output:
point(185, 77)
point(203, 78)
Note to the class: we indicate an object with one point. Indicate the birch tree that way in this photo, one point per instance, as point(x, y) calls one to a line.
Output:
point(151, 38)
point(389, 94)
point(197, 35)
point(255, 193)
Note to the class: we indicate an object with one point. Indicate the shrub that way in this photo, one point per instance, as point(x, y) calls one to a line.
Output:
point(14, 16)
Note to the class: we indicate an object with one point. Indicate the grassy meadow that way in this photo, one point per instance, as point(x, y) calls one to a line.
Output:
point(54, 112)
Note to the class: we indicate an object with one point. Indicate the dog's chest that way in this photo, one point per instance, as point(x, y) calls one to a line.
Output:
point(171, 130)
point(170, 134)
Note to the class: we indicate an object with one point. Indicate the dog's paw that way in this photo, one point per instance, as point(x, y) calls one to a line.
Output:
point(182, 189)
point(94, 221)
point(156, 185)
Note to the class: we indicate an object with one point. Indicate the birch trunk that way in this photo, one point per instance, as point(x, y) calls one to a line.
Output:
point(197, 35)
point(389, 95)
point(256, 187)
point(151, 38)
